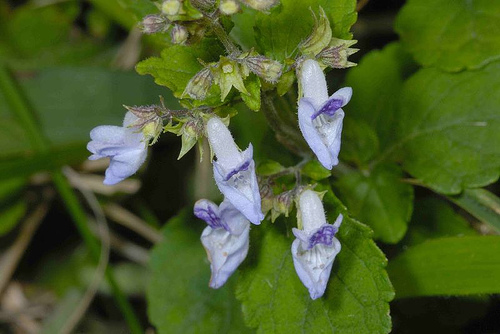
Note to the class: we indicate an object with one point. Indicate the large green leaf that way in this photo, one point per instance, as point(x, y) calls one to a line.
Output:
point(356, 300)
point(179, 299)
point(380, 199)
point(376, 82)
point(448, 128)
point(291, 22)
point(482, 204)
point(451, 35)
point(434, 218)
point(448, 266)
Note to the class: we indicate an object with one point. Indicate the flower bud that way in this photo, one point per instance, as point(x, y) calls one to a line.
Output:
point(261, 5)
point(190, 132)
point(197, 88)
point(179, 34)
point(320, 37)
point(267, 69)
point(229, 7)
point(171, 7)
point(336, 54)
point(228, 74)
point(152, 24)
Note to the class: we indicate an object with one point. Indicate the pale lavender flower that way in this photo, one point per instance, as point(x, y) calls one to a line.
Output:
point(320, 116)
point(234, 171)
point(125, 146)
point(316, 247)
point(226, 238)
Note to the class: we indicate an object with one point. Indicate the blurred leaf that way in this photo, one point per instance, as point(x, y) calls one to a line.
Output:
point(179, 63)
point(314, 170)
point(482, 204)
point(252, 85)
point(448, 128)
point(11, 187)
point(380, 199)
point(179, 299)
point(65, 307)
point(360, 143)
point(356, 300)
point(448, 266)
point(269, 167)
point(10, 215)
point(434, 218)
point(451, 35)
point(376, 82)
point(243, 30)
point(291, 22)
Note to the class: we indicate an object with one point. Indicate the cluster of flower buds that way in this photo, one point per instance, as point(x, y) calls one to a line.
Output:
point(230, 7)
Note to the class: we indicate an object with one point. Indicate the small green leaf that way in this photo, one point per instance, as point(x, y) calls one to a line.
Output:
point(179, 63)
point(291, 22)
point(179, 299)
point(252, 100)
point(10, 216)
point(482, 204)
point(285, 83)
point(356, 300)
point(434, 218)
point(451, 35)
point(448, 128)
point(380, 199)
point(455, 266)
point(314, 170)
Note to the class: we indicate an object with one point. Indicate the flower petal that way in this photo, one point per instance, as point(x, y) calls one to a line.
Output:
point(124, 165)
point(343, 94)
point(313, 83)
point(311, 134)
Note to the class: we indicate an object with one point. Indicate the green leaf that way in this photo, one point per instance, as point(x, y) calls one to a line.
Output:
point(179, 299)
point(315, 171)
point(252, 100)
point(376, 82)
point(269, 167)
point(451, 35)
point(360, 143)
point(279, 33)
point(434, 218)
point(10, 216)
point(448, 266)
point(482, 204)
point(179, 63)
point(356, 300)
point(380, 199)
point(243, 30)
point(448, 128)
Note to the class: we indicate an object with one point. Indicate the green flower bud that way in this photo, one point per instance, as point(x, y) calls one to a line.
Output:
point(171, 7)
point(320, 37)
point(179, 34)
point(229, 7)
point(261, 5)
point(190, 132)
point(267, 69)
point(227, 75)
point(197, 88)
point(154, 23)
point(336, 54)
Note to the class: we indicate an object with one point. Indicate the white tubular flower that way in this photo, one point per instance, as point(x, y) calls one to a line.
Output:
point(125, 146)
point(320, 116)
point(316, 247)
point(234, 171)
point(226, 238)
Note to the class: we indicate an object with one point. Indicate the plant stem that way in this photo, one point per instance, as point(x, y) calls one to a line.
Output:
point(20, 107)
point(221, 34)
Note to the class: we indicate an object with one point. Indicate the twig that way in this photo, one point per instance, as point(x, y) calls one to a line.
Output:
point(13, 255)
point(131, 221)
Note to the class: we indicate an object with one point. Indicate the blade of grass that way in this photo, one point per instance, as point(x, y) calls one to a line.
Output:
point(20, 107)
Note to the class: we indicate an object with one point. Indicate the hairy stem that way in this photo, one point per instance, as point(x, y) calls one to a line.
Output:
point(221, 34)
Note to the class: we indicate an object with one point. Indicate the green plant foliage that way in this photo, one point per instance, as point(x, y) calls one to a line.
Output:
point(360, 143)
point(179, 299)
point(482, 204)
point(380, 199)
point(376, 82)
point(434, 218)
point(179, 63)
point(314, 170)
point(451, 35)
point(448, 267)
point(10, 216)
point(356, 300)
point(252, 99)
point(447, 124)
point(279, 39)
